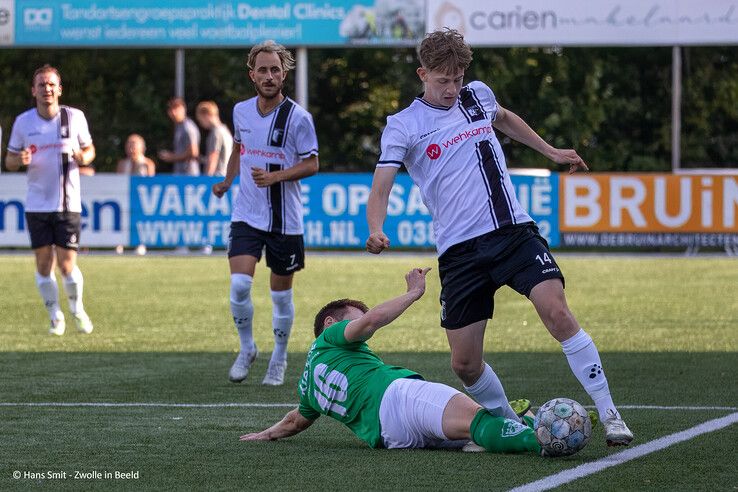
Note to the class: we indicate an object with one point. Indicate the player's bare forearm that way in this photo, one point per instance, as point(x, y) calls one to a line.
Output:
point(292, 423)
point(376, 208)
point(363, 328)
point(13, 161)
point(514, 127)
point(303, 169)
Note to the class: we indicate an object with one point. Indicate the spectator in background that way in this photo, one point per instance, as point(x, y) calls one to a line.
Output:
point(219, 142)
point(136, 163)
point(186, 143)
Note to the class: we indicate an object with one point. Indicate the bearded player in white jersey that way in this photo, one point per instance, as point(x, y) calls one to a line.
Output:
point(53, 141)
point(485, 239)
point(275, 146)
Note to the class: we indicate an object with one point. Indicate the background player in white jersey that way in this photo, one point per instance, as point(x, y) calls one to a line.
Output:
point(387, 406)
point(274, 146)
point(52, 141)
point(485, 239)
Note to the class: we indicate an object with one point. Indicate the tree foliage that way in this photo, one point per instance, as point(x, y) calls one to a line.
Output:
point(612, 104)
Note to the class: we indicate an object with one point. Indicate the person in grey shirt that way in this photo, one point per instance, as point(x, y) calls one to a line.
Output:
point(218, 143)
point(186, 142)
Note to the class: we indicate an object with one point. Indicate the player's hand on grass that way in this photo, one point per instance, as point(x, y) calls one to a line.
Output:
point(570, 157)
point(220, 189)
point(377, 242)
point(256, 436)
point(415, 279)
point(263, 178)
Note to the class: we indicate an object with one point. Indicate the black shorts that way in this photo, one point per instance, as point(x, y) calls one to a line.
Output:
point(285, 253)
point(59, 228)
point(473, 270)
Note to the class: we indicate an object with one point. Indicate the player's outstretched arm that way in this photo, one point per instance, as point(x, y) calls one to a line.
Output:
point(514, 127)
point(363, 328)
point(376, 208)
point(292, 423)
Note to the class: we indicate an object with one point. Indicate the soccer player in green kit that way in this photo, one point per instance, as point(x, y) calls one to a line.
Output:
point(387, 406)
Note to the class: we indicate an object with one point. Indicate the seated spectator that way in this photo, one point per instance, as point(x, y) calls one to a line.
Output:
point(136, 163)
point(219, 142)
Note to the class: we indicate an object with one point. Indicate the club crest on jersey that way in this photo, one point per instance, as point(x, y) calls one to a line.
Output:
point(474, 111)
point(65, 132)
point(277, 135)
point(433, 151)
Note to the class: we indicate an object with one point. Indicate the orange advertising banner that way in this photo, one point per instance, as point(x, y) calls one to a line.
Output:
point(649, 203)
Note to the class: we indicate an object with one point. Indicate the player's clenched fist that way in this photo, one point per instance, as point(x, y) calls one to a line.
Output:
point(219, 189)
point(377, 242)
point(415, 279)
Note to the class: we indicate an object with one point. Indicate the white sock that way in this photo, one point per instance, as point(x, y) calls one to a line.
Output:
point(584, 361)
point(73, 284)
point(489, 393)
point(242, 309)
point(49, 291)
point(283, 313)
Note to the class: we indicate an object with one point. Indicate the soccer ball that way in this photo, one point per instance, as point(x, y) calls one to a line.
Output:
point(562, 427)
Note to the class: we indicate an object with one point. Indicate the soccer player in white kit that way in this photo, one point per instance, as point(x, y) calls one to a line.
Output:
point(275, 146)
point(485, 239)
point(53, 141)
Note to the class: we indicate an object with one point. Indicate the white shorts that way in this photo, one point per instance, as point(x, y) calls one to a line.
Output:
point(411, 414)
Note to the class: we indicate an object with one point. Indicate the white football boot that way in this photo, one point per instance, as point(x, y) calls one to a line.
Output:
point(275, 373)
point(58, 325)
point(616, 432)
point(84, 325)
point(240, 368)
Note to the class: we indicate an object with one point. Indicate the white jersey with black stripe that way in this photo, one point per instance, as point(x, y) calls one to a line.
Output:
point(454, 157)
point(278, 140)
point(53, 186)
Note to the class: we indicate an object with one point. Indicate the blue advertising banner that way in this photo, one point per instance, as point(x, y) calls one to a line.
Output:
point(168, 211)
point(183, 23)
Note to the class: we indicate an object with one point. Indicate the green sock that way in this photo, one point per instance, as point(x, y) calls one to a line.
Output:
point(501, 435)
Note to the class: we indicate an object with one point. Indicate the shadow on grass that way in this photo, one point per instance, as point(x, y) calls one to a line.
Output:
point(700, 379)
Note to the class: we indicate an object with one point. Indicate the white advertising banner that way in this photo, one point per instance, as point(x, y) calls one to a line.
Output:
point(7, 22)
point(588, 22)
point(105, 210)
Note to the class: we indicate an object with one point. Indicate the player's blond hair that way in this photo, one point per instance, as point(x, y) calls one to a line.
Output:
point(444, 50)
point(43, 69)
point(270, 46)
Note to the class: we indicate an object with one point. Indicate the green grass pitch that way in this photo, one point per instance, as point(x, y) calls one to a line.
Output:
point(667, 329)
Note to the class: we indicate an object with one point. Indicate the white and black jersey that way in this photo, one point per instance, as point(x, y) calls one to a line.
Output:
point(278, 140)
point(53, 176)
point(454, 157)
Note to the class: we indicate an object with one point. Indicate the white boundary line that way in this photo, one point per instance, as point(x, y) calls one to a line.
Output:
point(287, 405)
point(616, 459)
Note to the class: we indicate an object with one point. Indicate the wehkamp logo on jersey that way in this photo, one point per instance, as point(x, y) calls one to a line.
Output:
point(433, 151)
point(32, 149)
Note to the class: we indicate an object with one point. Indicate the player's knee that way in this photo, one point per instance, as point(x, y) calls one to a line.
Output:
point(467, 369)
point(561, 323)
point(282, 303)
point(240, 287)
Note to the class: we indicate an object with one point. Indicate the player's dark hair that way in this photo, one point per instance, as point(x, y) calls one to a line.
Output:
point(336, 310)
point(445, 50)
point(43, 69)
